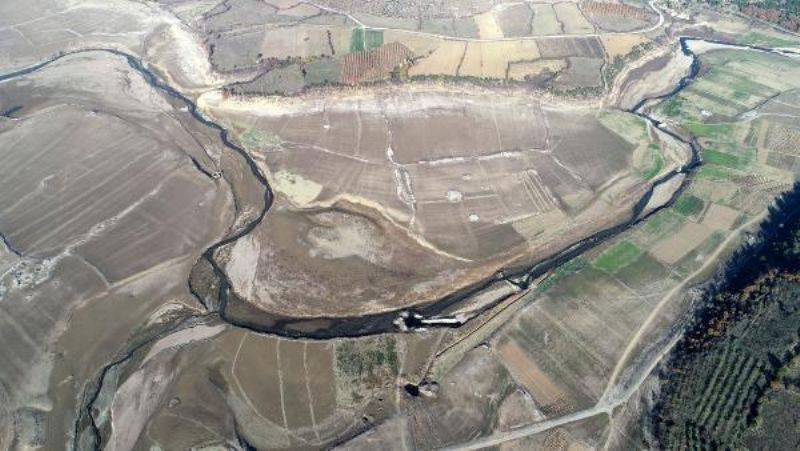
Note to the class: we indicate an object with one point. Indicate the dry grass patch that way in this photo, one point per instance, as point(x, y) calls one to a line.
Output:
point(443, 61)
point(525, 371)
point(491, 59)
point(300, 10)
point(534, 227)
point(296, 393)
point(622, 44)
point(572, 19)
point(282, 4)
point(523, 70)
point(255, 371)
point(720, 217)
point(298, 42)
point(677, 246)
point(488, 28)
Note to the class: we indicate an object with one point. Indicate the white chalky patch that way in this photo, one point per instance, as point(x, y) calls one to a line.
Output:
point(454, 196)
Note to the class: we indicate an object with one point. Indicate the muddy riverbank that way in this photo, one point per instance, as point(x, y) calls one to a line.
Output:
point(212, 287)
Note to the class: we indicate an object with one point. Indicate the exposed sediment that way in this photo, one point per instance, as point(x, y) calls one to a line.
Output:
point(217, 296)
point(212, 286)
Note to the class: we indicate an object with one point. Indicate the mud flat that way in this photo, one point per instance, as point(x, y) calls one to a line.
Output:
point(414, 202)
point(397, 182)
point(653, 78)
point(45, 29)
point(106, 205)
point(592, 332)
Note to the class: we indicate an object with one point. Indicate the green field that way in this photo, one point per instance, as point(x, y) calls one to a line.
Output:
point(365, 39)
point(567, 269)
point(618, 257)
point(689, 205)
point(730, 156)
point(659, 226)
point(761, 39)
point(710, 131)
point(657, 162)
point(711, 156)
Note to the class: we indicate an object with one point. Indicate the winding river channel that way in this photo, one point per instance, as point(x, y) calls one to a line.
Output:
point(331, 327)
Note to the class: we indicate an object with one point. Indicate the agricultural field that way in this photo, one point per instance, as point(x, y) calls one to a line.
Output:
point(599, 320)
point(571, 18)
point(617, 16)
point(305, 45)
point(278, 393)
point(737, 366)
point(533, 70)
point(735, 127)
point(581, 73)
point(515, 20)
point(492, 59)
point(545, 22)
point(397, 224)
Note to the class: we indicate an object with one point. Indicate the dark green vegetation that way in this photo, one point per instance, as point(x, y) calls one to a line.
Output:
point(689, 205)
point(357, 360)
point(733, 380)
point(776, 426)
point(364, 39)
point(672, 107)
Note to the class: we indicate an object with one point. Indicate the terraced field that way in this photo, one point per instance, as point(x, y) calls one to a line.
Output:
point(391, 224)
point(306, 44)
point(596, 321)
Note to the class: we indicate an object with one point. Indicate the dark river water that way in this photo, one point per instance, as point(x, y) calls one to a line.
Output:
point(330, 327)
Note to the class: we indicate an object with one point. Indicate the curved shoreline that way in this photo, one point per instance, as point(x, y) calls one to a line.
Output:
point(521, 277)
point(327, 327)
point(334, 327)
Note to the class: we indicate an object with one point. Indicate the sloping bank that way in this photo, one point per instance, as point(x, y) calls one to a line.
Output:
point(733, 381)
